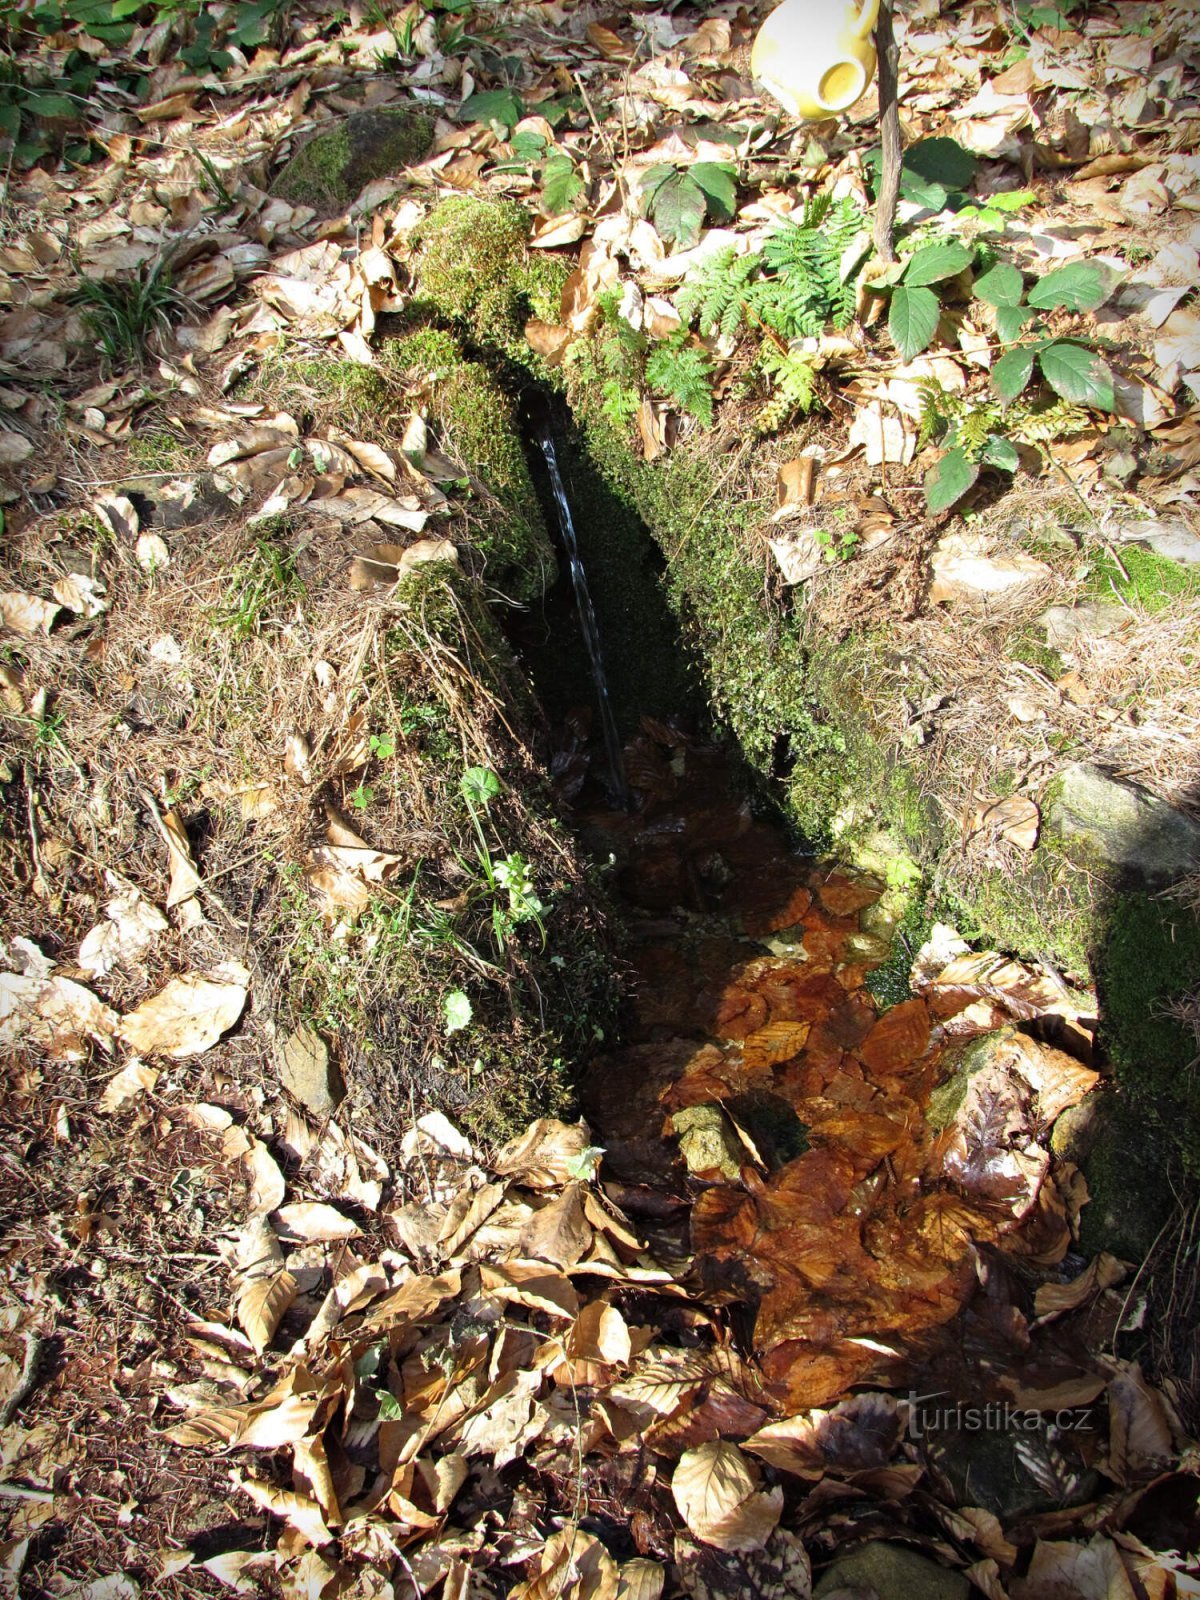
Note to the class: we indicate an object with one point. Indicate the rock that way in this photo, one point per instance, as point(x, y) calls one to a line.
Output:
point(890, 1572)
point(984, 1468)
point(307, 1073)
point(1094, 619)
point(964, 569)
point(332, 167)
point(1125, 825)
point(1174, 540)
point(1124, 1161)
point(707, 1141)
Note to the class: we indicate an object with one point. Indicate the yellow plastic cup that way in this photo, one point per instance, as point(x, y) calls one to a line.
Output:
point(816, 58)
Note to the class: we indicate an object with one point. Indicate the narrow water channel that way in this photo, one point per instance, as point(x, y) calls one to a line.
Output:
point(767, 1124)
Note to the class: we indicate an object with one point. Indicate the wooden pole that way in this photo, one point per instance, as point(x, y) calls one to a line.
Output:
point(889, 128)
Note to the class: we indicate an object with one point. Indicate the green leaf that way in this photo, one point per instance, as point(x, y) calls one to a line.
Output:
point(719, 185)
point(913, 319)
point(1011, 200)
point(1002, 286)
point(1010, 320)
point(1011, 373)
point(941, 161)
point(935, 262)
point(390, 1409)
point(529, 146)
point(456, 1008)
point(1000, 453)
point(652, 181)
point(1077, 373)
point(561, 185)
point(1080, 287)
point(920, 192)
point(493, 105)
point(480, 786)
point(948, 480)
point(51, 105)
point(678, 210)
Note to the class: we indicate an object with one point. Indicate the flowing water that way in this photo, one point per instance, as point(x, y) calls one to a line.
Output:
point(587, 621)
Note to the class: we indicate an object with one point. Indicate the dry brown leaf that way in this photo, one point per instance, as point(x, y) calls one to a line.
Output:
point(313, 1220)
point(1015, 819)
point(548, 340)
point(262, 1304)
point(560, 1232)
point(640, 1579)
point(131, 926)
point(610, 45)
point(185, 879)
point(55, 1013)
point(119, 516)
point(1139, 1429)
point(267, 1184)
point(373, 458)
point(83, 595)
point(186, 1017)
point(14, 448)
point(26, 614)
point(1053, 1299)
point(1080, 1571)
point(573, 1565)
point(546, 1154)
point(133, 1080)
point(297, 1510)
point(716, 1489)
point(280, 432)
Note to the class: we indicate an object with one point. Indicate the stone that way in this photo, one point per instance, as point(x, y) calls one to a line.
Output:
point(330, 169)
point(1124, 1161)
point(983, 1467)
point(888, 1571)
point(307, 1073)
point(965, 569)
point(707, 1141)
point(1174, 540)
point(1125, 825)
point(1093, 619)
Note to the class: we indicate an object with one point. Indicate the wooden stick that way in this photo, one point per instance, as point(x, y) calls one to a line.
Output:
point(889, 128)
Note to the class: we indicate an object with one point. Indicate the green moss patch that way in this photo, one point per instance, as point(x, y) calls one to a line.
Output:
point(331, 169)
point(1149, 580)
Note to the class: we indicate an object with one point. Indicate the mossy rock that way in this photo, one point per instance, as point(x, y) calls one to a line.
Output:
point(891, 1572)
point(472, 267)
point(334, 166)
point(478, 422)
point(1125, 1163)
point(984, 1468)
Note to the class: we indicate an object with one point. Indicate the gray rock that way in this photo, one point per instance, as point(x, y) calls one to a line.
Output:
point(891, 1572)
point(333, 166)
point(983, 1467)
point(1174, 540)
point(1124, 1161)
point(1094, 619)
point(308, 1074)
point(1125, 825)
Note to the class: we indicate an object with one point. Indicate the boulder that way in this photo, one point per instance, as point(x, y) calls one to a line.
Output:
point(1128, 827)
point(1174, 540)
point(1125, 1162)
point(1093, 619)
point(888, 1571)
point(330, 169)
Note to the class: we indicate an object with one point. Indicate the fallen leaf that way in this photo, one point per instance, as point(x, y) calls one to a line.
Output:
point(133, 1080)
point(267, 1183)
point(1015, 819)
point(83, 595)
point(716, 1489)
point(313, 1220)
point(185, 879)
point(26, 614)
point(185, 1018)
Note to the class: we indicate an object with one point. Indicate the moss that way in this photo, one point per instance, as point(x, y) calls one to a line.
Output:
point(473, 268)
point(1149, 580)
point(1151, 955)
point(362, 400)
point(1029, 645)
point(478, 420)
point(330, 170)
point(158, 452)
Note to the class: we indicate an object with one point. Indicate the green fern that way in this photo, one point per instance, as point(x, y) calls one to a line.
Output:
point(1043, 424)
point(793, 378)
point(806, 291)
point(618, 402)
point(719, 291)
point(684, 374)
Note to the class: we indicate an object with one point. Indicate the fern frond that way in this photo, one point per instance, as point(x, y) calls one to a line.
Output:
point(793, 380)
point(684, 374)
point(717, 293)
point(1045, 423)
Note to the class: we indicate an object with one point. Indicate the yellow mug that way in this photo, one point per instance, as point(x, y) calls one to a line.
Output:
point(816, 57)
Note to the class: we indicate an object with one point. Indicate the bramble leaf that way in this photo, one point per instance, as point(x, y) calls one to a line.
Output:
point(935, 262)
point(949, 479)
point(1082, 286)
point(1011, 373)
point(1077, 373)
point(913, 319)
point(1001, 286)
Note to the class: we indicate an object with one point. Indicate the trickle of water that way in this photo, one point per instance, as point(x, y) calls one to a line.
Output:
point(587, 620)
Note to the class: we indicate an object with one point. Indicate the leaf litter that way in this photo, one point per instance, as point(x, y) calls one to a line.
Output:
point(527, 1246)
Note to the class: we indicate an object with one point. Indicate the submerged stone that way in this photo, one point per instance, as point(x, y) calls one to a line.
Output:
point(1125, 1163)
point(1127, 826)
point(332, 167)
point(984, 1468)
point(890, 1572)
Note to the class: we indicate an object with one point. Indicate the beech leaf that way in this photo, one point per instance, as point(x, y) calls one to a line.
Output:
point(716, 1489)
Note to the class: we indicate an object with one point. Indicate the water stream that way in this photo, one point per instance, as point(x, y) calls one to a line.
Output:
point(587, 621)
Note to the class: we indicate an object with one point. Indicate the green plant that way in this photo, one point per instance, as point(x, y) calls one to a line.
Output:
point(123, 313)
point(836, 546)
point(267, 576)
point(508, 878)
point(683, 372)
point(383, 746)
point(677, 200)
point(793, 376)
point(362, 796)
point(984, 433)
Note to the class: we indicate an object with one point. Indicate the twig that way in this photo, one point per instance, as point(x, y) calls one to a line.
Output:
point(889, 128)
point(27, 1382)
